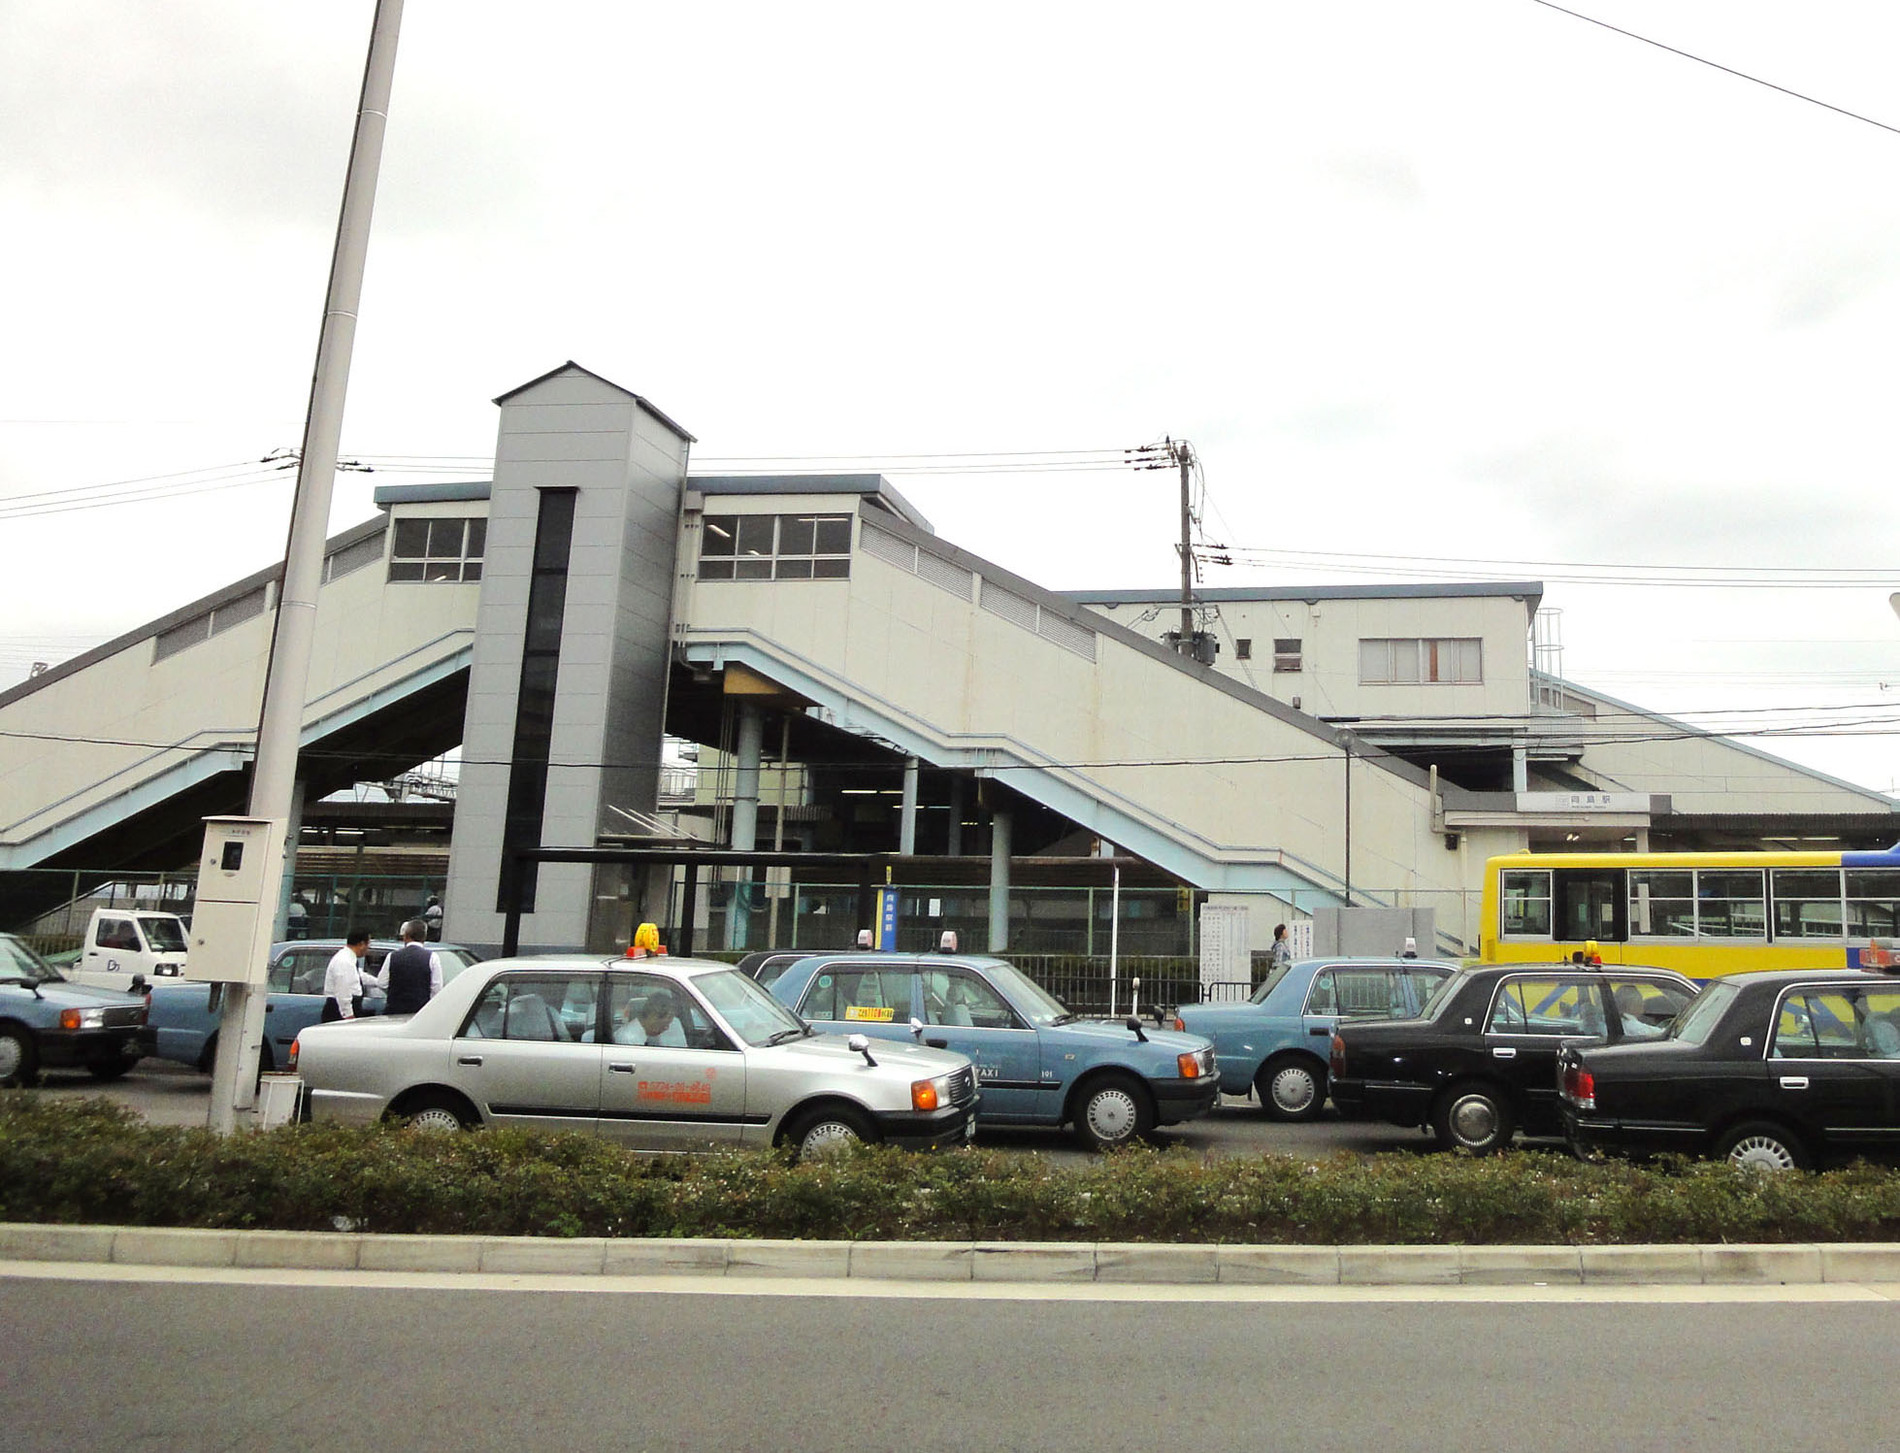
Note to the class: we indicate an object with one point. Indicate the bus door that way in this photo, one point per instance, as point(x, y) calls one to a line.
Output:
point(1591, 903)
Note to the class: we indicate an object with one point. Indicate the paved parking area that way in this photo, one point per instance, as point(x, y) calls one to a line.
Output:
point(168, 1094)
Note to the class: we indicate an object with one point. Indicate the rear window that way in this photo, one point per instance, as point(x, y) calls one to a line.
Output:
point(1696, 1023)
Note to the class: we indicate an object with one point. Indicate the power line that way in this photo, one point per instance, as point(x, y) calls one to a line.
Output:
point(1780, 577)
point(1717, 65)
point(1880, 727)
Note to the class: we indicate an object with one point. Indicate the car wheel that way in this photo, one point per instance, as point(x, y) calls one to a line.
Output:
point(1473, 1117)
point(1291, 1087)
point(436, 1113)
point(18, 1063)
point(1764, 1146)
point(109, 1069)
point(829, 1129)
point(1112, 1111)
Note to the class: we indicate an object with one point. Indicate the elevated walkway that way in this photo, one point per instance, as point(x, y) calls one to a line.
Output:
point(947, 657)
point(111, 759)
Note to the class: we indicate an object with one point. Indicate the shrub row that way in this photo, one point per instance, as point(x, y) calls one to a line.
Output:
point(92, 1161)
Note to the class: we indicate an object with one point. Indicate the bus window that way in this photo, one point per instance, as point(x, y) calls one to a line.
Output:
point(1873, 902)
point(1729, 903)
point(1807, 902)
point(1662, 902)
point(1526, 903)
point(1589, 904)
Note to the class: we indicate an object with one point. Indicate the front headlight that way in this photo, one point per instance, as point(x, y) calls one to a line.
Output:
point(929, 1094)
point(82, 1018)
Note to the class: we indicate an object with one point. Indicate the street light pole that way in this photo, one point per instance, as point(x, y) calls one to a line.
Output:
point(286, 682)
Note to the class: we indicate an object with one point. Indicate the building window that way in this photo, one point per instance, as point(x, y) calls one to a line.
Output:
point(534, 699)
point(775, 547)
point(1405, 662)
point(233, 612)
point(1286, 653)
point(1243, 648)
point(437, 550)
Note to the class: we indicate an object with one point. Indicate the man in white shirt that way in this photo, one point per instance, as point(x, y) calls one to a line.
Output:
point(655, 1022)
point(343, 978)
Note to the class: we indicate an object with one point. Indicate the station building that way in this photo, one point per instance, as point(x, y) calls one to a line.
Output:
point(854, 683)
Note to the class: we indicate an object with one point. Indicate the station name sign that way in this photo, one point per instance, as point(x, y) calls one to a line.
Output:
point(1583, 802)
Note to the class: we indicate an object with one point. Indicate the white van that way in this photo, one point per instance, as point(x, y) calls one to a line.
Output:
point(122, 943)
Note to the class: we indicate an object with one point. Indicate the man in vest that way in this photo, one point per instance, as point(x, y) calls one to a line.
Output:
point(412, 975)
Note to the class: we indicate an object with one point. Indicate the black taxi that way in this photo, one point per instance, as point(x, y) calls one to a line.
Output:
point(1781, 1069)
point(1480, 1062)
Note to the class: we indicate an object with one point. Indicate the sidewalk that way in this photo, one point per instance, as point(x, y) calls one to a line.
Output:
point(966, 1261)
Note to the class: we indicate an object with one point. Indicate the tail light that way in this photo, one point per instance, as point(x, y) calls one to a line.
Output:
point(1338, 1057)
point(1580, 1087)
point(290, 1062)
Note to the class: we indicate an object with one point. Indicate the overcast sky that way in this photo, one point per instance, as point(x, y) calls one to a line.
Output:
point(1468, 281)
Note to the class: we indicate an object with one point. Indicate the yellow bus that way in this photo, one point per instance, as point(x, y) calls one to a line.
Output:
point(1700, 914)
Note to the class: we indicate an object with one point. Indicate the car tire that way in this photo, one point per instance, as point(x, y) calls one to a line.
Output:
point(828, 1129)
point(1291, 1087)
point(109, 1069)
point(1112, 1111)
point(19, 1062)
point(436, 1112)
point(1473, 1117)
point(1763, 1145)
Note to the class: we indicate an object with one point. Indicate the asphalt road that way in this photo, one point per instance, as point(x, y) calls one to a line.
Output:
point(116, 1365)
point(168, 1094)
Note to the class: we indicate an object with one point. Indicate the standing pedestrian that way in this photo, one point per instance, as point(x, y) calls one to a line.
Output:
point(343, 978)
point(1280, 956)
point(412, 975)
point(432, 918)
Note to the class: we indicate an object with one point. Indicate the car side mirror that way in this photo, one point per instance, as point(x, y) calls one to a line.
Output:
point(1135, 1024)
point(916, 1027)
point(858, 1044)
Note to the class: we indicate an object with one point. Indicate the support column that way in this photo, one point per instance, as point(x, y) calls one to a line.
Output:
point(292, 838)
point(907, 823)
point(999, 882)
point(953, 847)
point(1520, 769)
point(745, 816)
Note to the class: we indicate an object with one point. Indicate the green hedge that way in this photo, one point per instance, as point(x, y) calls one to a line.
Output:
point(92, 1161)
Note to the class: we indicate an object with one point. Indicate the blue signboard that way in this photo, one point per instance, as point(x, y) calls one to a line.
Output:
point(887, 918)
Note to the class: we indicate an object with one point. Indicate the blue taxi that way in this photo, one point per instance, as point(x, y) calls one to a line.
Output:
point(1036, 1063)
point(1276, 1044)
point(183, 1027)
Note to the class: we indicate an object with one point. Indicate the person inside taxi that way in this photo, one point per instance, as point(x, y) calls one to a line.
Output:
point(654, 1020)
point(1629, 1008)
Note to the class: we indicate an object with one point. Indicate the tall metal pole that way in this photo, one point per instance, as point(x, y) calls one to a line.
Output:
point(280, 726)
point(1184, 456)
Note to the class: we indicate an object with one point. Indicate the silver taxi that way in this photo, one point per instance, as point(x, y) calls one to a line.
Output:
point(663, 1054)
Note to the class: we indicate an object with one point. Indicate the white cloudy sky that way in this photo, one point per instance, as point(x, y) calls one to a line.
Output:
point(1468, 281)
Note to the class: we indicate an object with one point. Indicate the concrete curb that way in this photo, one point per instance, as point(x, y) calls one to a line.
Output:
point(966, 1261)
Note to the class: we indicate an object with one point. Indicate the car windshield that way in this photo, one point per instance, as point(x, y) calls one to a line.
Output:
point(1026, 996)
point(1696, 1023)
point(20, 965)
point(755, 1016)
point(163, 933)
point(1271, 983)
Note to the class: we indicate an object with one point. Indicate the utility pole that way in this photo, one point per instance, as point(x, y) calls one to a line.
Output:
point(286, 684)
point(1184, 456)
